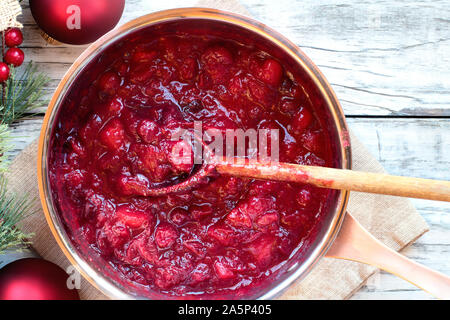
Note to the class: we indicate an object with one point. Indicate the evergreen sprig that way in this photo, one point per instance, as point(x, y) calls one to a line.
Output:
point(19, 96)
point(5, 146)
point(23, 93)
point(13, 208)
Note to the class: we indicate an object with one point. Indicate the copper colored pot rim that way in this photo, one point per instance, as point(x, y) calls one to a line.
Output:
point(298, 270)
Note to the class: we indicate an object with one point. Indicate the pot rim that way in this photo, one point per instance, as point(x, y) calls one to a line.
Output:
point(101, 282)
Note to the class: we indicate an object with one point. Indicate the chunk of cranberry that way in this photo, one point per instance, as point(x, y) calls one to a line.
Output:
point(222, 271)
point(169, 276)
point(260, 93)
point(188, 69)
point(113, 135)
point(264, 188)
point(131, 217)
point(200, 273)
point(141, 73)
point(267, 219)
point(216, 61)
point(77, 147)
point(75, 178)
point(169, 48)
point(90, 131)
point(114, 106)
point(111, 161)
point(222, 234)
point(304, 198)
point(109, 82)
point(239, 219)
point(99, 207)
point(236, 86)
point(147, 250)
point(217, 55)
point(301, 121)
point(199, 212)
point(179, 216)
point(195, 247)
point(150, 160)
point(296, 220)
point(289, 106)
point(165, 236)
point(149, 131)
point(271, 72)
point(133, 185)
point(122, 68)
point(256, 206)
point(143, 55)
point(232, 188)
point(117, 235)
point(262, 249)
point(312, 140)
point(291, 88)
point(102, 242)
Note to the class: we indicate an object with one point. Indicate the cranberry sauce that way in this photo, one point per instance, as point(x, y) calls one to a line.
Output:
point(112, 141)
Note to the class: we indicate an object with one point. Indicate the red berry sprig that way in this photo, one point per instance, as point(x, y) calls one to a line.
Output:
point(14, 56)
point(12, 38)
point(4, 72)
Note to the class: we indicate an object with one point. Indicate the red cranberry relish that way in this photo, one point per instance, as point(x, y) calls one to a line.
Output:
point(113, 140)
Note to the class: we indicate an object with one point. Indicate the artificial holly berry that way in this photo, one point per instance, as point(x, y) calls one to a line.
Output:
point(4, 72)
point(13, 37)
point(14, 56)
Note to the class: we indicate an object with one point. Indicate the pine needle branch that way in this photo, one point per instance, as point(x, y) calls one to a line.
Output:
point(5, 146)
point(23, 93)
point(13, 208)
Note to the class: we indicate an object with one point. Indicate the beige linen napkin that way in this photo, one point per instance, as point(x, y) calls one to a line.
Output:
point(392, 220)
point(9, 10)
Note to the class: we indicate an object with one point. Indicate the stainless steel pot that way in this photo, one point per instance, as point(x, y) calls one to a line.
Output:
point(354, 243)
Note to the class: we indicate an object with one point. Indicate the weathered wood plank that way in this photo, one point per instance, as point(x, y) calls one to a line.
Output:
point(382, 58)
point(413, 147)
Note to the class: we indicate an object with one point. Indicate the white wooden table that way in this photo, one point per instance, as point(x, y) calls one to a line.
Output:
point(389, 63)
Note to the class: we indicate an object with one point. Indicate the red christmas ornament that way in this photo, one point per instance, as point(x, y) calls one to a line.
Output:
point(14, 56)
point(4, 72)
point(76, 21)
point(13, 37)
point(34, 279)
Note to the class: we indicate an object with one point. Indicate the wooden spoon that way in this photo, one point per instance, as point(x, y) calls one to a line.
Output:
point(318, 176)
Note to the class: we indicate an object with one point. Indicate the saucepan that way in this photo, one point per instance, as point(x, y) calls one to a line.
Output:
point(340, 235)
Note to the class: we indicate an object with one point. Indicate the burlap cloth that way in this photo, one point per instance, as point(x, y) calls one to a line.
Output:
point(392, 220)
point(9, 10)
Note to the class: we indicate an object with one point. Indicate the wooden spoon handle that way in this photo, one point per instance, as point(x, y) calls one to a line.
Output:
point(356, 244)
point(341, 179)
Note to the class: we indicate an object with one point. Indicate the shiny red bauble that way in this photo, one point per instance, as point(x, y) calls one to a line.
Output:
point(76, 21)
point(13, 37)
point(14, 56)
point(4, 72)
point(34, 279)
